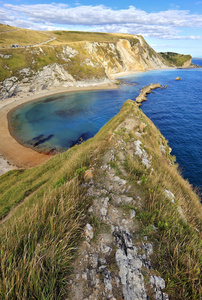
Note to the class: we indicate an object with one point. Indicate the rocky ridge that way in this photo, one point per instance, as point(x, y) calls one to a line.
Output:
point(146, 90)
point(114, 262)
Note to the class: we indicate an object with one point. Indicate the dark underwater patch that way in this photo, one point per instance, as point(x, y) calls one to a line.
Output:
point(84, 137)
point(40, 139)
point(63, 113)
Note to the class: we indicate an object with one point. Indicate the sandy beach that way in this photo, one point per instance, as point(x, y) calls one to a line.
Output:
point(14, 155)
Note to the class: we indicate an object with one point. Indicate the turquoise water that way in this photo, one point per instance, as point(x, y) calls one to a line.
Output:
point(58, 122)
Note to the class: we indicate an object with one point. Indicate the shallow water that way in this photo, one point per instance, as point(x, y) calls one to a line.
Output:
point(60, 121)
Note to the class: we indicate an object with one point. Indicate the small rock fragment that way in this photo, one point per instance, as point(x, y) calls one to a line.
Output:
point(88, 175)
point(88, 231)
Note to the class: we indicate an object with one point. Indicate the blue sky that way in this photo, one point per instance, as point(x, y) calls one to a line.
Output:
point(166, 25)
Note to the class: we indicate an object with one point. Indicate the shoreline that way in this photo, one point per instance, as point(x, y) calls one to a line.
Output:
point(14, 155)
point(128, 73)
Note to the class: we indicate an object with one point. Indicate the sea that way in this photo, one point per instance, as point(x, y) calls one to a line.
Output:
point(57, 122)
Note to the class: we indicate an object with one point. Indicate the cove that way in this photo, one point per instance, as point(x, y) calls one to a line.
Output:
point(60, 121)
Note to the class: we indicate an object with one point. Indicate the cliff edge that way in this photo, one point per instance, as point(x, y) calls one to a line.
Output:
point(72, 59)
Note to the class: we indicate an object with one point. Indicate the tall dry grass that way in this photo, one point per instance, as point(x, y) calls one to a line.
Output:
point(38, 247)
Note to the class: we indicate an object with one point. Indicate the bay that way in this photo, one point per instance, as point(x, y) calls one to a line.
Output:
point(60, 121)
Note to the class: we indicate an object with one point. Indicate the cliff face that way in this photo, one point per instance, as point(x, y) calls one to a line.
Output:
point(76, 64)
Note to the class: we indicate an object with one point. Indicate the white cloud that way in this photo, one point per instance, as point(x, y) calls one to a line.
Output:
point(164, 24)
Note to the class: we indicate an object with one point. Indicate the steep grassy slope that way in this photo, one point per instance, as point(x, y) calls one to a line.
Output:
point(176, 59)
point(48, 224)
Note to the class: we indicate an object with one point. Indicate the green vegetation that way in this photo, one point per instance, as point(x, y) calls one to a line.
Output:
point(48, 225)
point(37, 247)
point(178, 246)
point(63, 37)
point(22, 37)
point(39, 239)
point(175, 59)
point(4, 27)
point(31, 58)
point(13, 60)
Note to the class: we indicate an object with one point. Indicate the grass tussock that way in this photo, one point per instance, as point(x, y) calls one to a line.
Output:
point(38, 247)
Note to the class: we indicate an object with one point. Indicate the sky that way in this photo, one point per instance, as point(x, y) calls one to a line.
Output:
point(166, 25)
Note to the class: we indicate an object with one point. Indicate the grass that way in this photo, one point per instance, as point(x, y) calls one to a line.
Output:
point(4, 27)
point(40, 239)
point(38, 262)
point(12, 60)
point(178, 247)
point(63, 37)
point(30, 58)
point(25, 37)
point(22, 37)
point(175, 58)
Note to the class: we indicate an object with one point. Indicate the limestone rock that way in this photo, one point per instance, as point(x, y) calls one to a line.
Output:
point(146, 90)
point(129, 267)
point(69, 52)
point(52, 76)
point(170, 195)
point(141, 153)
point(88, 232)
point(110, 58)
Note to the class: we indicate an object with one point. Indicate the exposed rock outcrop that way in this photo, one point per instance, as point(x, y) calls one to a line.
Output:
point(146, 90)
point(115, 264)
point(90, 63)
point(50, 76)
point(187, 64)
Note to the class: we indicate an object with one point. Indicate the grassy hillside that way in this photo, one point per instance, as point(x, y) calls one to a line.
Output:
point(35, 59)
point(13, 60)
point(22, 37)
point(48, 223)
point(12, 35)
point(4, 28)
point(63, 37)
point(175, 59)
